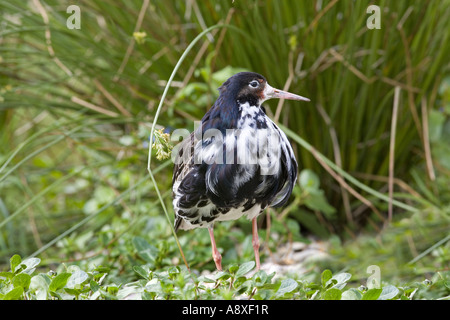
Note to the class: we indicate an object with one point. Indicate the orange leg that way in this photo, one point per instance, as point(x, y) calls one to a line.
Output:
point(255, 242)
point(215, 253)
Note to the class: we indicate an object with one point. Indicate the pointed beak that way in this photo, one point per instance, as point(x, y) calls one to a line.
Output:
point(272, 93)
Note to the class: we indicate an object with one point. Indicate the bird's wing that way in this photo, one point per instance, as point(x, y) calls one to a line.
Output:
point(189, 193)
point(183, 160)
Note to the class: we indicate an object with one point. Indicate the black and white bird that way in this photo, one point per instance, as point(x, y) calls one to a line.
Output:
point(236, 163)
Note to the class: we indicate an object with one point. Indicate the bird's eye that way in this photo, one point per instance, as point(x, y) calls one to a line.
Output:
point(254, 84)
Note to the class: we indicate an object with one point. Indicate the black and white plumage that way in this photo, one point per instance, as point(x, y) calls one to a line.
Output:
point(237, 163)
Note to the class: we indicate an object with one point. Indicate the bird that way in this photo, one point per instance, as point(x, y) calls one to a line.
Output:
point(236, 163)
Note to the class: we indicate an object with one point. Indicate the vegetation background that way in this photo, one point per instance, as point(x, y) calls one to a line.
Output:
point(81, 218)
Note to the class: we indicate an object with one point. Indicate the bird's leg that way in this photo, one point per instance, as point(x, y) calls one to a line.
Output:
point(215, 253)
point(255, 242)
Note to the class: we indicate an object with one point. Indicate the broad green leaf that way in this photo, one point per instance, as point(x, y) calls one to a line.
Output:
point(145, 250)
point(245, 268)
point(332, 294)
point(341, 280)
point(77, 278)
point(14, 294)
point(39, 284)
point(73, 292)
point(351, 294)
point(141, 272)
point(286, 286)
point(371, 294)
point(102, 269)
point(59, 281)
point(7, 275)
point(233, 268)
point(342, 277)
point(205, 279)
point(112, 289)
point(326, 276)
point(31, 264)
point(309, 180)
point(15, 262)
point(388, 292)
point(94, 286)
point(316, 200)
point(221, 275)
point(21, 280)
point(260, 278)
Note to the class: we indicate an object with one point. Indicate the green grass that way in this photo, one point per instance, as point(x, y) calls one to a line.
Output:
point(75, 126)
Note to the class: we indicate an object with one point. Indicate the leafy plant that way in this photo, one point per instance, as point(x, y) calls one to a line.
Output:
point(22, 282)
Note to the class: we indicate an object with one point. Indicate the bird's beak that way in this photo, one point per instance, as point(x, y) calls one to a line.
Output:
point(272, 93)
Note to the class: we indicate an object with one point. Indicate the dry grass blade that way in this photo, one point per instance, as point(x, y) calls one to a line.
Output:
point(426, 141)
point(111, 99)
point(93, 107)
point(392, 151)
point(48, 37)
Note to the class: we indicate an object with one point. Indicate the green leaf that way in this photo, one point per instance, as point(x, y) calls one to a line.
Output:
point(260, 278)
point(94, 286)
point(141, 272)
point(14, 294)
point(351, 294)
point(286, 286)
point(39, 284)
point(205, 279)
point(7, 275)
point(340, 279)
point(59, 281)
point(222, 275)
point(309, 180)
point(31, 264)
point(316, 200)
point(21, 280)
point(112, 289)
point(388, 292)
point(15, 262)
point(145, 250)
point(73, 292)
point(102, 269)
point(332, 294)
point(245, 268)
point(372, 294)
point(326, 276)
point(76, 278)
point(233, 268)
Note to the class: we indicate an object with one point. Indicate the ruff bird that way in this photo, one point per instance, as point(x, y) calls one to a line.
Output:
point(237, 163)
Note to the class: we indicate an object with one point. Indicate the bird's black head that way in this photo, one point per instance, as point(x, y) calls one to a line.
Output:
point(253, 88)
point(242, 90)
point(245, 87)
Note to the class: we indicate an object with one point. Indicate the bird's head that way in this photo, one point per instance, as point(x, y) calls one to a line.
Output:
point(253, 88)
